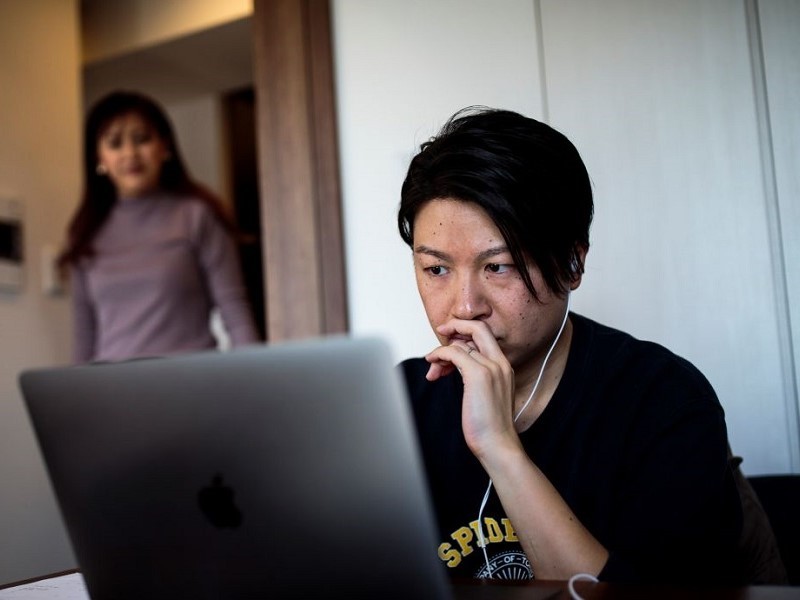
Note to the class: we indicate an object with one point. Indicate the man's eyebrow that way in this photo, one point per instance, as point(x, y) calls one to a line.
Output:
point(485, 255)
point(423, 249)
point(491, 253)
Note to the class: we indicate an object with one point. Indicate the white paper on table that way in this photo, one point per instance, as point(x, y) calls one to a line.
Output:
point(63, 587)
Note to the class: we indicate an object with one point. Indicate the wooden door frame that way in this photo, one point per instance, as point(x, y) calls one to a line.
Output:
point(301, 219)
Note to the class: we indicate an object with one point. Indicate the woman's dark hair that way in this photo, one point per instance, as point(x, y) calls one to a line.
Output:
point(527, 176)
point(99, 194)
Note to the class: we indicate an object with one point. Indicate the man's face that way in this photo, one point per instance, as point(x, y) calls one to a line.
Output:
point(465, 271)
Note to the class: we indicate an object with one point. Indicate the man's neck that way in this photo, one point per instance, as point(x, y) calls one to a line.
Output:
point(548, 384)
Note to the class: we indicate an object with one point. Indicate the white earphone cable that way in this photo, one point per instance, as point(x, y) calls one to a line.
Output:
point(544, 362)
point(481, 539)
point(579, 577)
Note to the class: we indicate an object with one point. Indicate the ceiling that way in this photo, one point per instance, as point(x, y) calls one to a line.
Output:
point(213, 60)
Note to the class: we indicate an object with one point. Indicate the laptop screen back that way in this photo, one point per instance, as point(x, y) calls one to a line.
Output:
point(287, 471)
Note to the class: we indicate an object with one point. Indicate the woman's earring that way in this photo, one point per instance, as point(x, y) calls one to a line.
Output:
point(101, 170)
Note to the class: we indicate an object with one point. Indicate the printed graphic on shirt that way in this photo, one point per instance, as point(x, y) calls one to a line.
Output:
point(500, 562)
point(507, 565)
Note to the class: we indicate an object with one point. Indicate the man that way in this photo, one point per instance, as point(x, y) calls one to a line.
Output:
point(554, 445)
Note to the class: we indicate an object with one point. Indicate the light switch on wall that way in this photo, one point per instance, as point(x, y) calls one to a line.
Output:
point(11, 245)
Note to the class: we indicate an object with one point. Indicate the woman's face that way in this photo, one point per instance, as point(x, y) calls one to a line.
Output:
point(465, 271)
point(131, 154)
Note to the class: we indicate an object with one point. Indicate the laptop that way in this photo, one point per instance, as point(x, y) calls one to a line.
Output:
point(280, 471)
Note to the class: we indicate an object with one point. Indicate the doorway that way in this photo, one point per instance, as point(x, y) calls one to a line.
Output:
point(239, 119)
point(204, 81)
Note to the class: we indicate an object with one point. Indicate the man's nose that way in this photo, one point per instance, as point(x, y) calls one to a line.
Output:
point(470, 300)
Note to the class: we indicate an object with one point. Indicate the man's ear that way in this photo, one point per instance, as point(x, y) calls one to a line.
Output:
point(577, 266)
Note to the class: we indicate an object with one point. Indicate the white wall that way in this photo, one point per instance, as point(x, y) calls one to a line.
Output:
point(659, 98)
point(681, 247)
point(199, 130)
point(780, 26)
point(39, 165)
point(402, 69)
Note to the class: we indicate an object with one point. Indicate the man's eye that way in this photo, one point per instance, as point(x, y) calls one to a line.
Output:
point(436, 270)
point(497, 268)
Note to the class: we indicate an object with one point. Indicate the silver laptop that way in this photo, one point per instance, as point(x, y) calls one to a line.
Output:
point(283, 471)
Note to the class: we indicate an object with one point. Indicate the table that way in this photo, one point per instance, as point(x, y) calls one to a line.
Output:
point(557, 590)
point(69, 586)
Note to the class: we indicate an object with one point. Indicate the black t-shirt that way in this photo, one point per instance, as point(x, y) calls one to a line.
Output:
point(634, 440)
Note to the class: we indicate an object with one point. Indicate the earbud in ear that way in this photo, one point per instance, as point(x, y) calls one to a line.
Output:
point(575, 267)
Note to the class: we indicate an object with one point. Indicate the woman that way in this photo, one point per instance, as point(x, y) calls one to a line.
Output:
point(149, 249)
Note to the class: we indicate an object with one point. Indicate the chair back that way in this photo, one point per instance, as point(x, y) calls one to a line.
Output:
point(780, 497)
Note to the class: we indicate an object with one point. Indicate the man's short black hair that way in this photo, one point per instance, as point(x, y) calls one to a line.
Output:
point(528, 177)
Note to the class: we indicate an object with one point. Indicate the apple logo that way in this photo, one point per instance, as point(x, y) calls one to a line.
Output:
point(216, 502)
